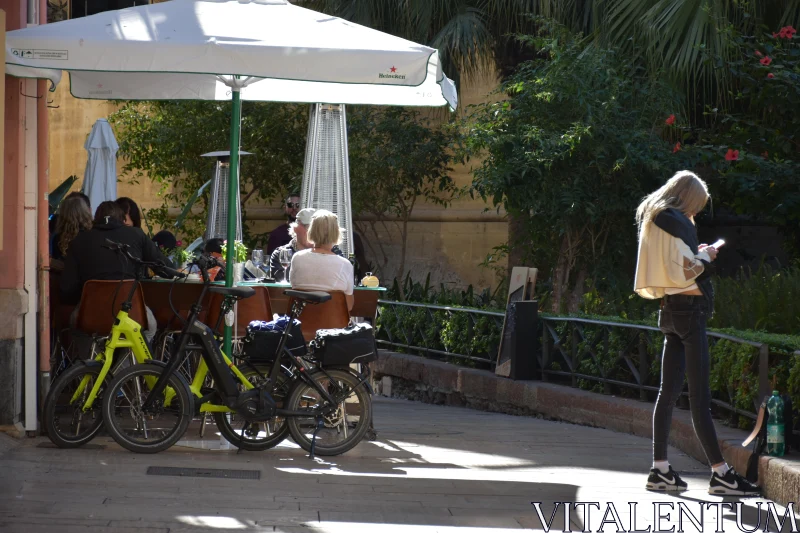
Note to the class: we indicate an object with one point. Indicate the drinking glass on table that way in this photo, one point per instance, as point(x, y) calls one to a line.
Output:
point(258, 259)
point(285, 257)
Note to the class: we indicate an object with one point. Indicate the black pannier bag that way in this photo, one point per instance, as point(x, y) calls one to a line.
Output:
point(263, 338)
point(339, 347)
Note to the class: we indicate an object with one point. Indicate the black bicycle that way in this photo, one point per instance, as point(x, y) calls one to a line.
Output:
point(148, 407)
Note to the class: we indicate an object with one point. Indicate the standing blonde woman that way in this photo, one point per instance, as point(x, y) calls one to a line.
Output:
point(673, 266)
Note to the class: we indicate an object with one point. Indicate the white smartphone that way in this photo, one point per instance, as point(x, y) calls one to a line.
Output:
point(717, 245)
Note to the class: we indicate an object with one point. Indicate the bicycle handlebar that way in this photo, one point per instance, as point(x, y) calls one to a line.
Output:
point(155, 265)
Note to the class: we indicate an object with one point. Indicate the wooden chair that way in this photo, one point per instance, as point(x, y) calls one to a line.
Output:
point(331, 314)
point(100, 303)
point(181, 295)
point(97, 310)
point(257, 307)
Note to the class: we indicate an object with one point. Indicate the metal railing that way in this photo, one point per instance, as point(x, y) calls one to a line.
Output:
point(421, 340)
point(620, 354)
point(573, 344)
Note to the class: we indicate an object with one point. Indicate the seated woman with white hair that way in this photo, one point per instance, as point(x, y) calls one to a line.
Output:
point(319, 268)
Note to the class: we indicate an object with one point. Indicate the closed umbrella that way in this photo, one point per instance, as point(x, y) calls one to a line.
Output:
point(100, 177)
point(266, 50)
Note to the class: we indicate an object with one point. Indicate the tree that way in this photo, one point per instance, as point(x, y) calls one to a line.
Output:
point(571, 153)
point(750, 150)
point(164, 140)
point(472, 36)
point(396, 159)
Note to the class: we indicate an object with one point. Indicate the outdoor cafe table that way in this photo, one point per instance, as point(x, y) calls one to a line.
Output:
point(185, 293)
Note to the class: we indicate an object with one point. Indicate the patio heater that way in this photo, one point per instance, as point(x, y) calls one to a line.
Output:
point(217, 222)
point(326, 175)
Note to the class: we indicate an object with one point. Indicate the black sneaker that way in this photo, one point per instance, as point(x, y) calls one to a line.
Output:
point(732, 484)
point(670, 481)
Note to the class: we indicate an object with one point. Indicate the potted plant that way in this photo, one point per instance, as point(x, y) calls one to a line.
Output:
point(185, 257)
point(239, 258)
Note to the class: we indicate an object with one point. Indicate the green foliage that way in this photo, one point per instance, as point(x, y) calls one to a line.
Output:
point(571, 153)
point(453, 331)
point(469, 34)
point(165, 139)
point(426, 292)
point(764, 179)
point(239, 251)
point(396, 158)
point(764, 300)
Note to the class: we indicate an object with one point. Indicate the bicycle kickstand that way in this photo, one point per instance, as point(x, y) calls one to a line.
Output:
point(320, 425)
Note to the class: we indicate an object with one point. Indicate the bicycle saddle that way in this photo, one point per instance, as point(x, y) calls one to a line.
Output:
point(314, 297)
point(236, 292)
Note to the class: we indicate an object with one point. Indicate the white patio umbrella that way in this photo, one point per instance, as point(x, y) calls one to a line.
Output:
point(220, 49)
point(100, 176)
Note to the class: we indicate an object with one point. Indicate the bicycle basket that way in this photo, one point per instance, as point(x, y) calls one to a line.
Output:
point(337, 347)
point(263, 338)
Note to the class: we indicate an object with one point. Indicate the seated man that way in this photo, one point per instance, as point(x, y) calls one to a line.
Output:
point(299, 233)
point(87, 259)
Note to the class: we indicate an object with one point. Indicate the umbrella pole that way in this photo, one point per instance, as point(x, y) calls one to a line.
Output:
point(233, 199)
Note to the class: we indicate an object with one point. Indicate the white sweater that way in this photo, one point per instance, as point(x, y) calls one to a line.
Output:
point(321, 272)
point(666, 264)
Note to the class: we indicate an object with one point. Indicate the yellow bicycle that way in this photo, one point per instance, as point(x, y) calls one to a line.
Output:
point(71, 413)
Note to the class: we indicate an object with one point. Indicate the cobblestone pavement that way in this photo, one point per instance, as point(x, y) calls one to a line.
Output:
point(432, 469)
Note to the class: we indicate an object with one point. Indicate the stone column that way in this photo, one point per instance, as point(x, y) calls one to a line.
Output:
point(12, 296)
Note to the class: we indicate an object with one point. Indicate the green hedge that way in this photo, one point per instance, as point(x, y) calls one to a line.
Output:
point(734, 366)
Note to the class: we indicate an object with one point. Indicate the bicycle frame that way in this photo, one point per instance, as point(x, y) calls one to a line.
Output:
point(125, 326)
point(220, 366)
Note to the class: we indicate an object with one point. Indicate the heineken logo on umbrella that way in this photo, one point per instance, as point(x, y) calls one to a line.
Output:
point(392, 74)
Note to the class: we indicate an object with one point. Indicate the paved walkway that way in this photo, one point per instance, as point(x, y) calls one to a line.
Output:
point(433, 469)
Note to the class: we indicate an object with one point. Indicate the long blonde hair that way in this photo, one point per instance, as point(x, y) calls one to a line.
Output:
point(73, 216)
point(324, 229)
point(684, 191)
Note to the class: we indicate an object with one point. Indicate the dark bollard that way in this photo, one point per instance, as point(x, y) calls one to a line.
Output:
point(520, 346)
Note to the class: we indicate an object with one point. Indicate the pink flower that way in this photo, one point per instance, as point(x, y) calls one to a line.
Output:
point(787, 32)
point(770, 75)
point(766, 60)
point(676, 148)
point(179, 243)
point(732, 155)
point(759, 54)
point(670, 120)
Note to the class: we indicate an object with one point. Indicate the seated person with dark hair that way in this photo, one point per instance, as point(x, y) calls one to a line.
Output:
point(88, 259)
point(214, 247)
point(166, 240)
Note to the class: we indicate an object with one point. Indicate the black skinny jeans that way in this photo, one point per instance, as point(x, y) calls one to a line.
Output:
point(683, 321)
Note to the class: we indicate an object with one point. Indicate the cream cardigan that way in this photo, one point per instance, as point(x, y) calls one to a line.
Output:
point(666, 264)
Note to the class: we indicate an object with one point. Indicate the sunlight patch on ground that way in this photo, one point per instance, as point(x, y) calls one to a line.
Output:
point(214, 522)
point(462, 458)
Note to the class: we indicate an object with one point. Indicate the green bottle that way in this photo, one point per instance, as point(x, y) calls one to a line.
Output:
point(775, 434)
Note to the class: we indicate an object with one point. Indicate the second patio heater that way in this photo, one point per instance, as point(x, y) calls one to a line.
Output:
point(217, 222)
point(326, 176)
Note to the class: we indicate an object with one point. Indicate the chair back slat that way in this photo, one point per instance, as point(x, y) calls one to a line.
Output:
point(101, 301)
point(257, 307)
point(329, 315)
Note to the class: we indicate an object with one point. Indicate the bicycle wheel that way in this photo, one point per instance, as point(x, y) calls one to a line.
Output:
point(340, 431)
point(66, 423)
point(256, 436)
point(155, 429)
